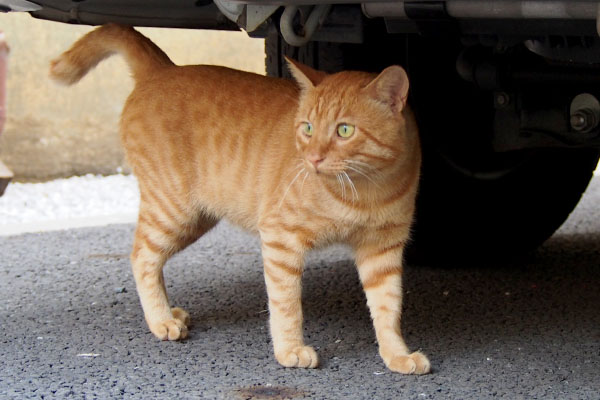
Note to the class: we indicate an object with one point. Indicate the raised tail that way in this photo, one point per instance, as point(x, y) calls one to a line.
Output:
point(141, 54)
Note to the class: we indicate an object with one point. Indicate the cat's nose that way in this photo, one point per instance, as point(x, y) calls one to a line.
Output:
point(315, 159)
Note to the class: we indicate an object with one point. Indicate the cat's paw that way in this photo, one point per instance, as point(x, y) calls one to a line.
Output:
point(299, 357)
point(416, 363)
point(181, 314)
point(172, 329)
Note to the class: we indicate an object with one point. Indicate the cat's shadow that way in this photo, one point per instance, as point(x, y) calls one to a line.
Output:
point(453, 309)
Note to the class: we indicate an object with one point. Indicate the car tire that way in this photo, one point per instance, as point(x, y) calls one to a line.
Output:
point(481, 217)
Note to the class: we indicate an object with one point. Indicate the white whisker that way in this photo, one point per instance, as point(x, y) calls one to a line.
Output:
point(289, 186)
point(368, 166)
point(300, 165)
point(342, 186)
point(359, 171)
point(354, 191)
point(304, 180)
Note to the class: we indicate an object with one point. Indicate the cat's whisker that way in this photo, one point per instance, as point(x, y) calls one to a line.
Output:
point(295, 168)
point(368, 166)
point(289, 187)
point(354, 191)
point(306, 173)
point(360, 172)
point(342, 182)
point(365, 167)
point(342, 186)
point(298, 166)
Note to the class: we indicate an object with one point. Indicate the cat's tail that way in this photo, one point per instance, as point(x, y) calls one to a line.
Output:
point(142, 56)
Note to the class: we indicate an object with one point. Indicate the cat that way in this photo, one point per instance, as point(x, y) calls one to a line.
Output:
point(325, 158)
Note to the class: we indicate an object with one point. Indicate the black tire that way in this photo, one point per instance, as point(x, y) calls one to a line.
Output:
point(464, 216)
point(472, 201)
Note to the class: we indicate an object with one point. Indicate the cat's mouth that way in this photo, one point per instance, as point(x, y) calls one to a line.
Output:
point(323, 165)
point(322, 168)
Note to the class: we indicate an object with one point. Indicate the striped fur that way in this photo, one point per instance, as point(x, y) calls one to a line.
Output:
point(209, 142)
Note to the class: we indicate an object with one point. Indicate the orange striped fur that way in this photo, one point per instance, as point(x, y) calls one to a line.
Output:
point(208, 142)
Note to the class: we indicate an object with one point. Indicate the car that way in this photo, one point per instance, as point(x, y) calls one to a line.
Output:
point(505, 93)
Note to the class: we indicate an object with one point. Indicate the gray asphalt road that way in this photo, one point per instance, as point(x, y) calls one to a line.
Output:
point(72, 326)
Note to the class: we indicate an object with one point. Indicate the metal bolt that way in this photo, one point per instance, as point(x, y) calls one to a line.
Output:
point(583, 120)
point(502, 99)
point(584, 113)
point(578, 121)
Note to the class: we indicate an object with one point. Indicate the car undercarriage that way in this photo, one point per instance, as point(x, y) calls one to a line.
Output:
point(505, 92)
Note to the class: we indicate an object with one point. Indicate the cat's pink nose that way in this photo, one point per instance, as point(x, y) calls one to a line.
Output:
point(315, 159)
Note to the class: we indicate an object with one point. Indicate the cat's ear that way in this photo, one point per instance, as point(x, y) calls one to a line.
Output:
point(306, 76)
point(390, 87)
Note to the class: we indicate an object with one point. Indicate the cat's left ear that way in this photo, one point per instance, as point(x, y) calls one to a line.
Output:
point(306, 76)
point(390, 87)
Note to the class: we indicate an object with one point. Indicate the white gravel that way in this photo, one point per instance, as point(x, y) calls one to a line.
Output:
point(88, 200)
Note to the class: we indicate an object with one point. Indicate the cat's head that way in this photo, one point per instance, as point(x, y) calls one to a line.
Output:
point(350, 122)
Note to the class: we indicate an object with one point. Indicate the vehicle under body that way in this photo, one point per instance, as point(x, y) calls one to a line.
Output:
point(505, 92)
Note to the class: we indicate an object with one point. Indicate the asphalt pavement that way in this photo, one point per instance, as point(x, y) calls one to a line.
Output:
point(72, 326)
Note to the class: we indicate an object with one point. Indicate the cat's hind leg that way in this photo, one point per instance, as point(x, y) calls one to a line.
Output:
point(157, 237)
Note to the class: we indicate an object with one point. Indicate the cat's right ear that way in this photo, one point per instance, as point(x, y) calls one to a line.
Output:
point(306, 76)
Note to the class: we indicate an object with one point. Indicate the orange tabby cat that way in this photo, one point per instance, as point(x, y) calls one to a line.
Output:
point(333, 158)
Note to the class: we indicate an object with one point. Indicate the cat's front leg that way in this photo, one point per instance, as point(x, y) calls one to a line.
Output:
point(379, 262)
point(283, 261)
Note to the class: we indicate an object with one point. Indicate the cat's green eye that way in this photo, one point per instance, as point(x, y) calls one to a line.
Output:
point(307, 128)
point(345, 130)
